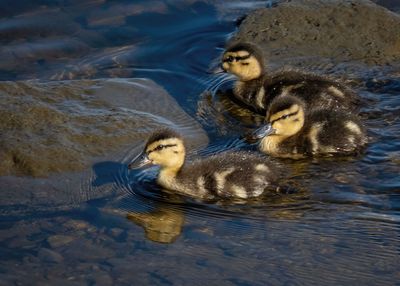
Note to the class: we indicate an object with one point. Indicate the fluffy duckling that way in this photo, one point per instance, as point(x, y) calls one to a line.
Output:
point(227, 175)
point(256, 88)
point(292, 133)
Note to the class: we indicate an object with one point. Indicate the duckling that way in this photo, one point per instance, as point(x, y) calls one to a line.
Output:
point(256, 88)
point(292, 132)
point(228, 175)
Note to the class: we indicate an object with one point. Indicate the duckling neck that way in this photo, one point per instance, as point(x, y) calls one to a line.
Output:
point(167, 177)
point(252, 93)
point(270, 144)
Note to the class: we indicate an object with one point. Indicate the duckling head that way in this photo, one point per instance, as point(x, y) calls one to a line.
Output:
point(164, 148)
point(243, 60)
point(284, 118)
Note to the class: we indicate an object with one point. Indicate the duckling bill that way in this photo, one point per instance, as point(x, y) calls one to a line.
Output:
point(256, 88)
point(291, 132)
point(226, 175)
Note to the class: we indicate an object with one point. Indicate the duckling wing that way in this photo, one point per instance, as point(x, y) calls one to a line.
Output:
point(317, 91)
point(231, 175)
point(335, 132)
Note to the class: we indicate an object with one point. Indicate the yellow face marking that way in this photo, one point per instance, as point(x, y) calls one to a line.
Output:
point(293, 109)
point(169, 153)
point(234, 55)
point(169, 141)
point(243, 54)
point(287, 122)
point(284, 128)
point(242, 64)
point(226, 67)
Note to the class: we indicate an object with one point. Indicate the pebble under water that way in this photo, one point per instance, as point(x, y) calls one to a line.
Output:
point(338, 225)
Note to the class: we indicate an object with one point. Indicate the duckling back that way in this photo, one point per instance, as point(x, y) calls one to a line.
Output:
point(227, 175)
point(316, 91)
point(334, 132)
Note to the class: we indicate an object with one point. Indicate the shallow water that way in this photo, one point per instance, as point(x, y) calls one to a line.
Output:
point(339, 224)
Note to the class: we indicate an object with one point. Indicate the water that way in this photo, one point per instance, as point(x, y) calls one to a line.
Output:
point(340, 225)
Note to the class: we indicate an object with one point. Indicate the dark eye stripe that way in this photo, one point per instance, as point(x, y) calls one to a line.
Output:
point(161, 146)
point(231, 58)
point(285, 116)
point(242, 58)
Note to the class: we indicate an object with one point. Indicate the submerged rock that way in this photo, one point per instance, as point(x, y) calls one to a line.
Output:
point(48, 255)
point(338, 30)
point(68, 142)
point(64, 126)
point(58, 240)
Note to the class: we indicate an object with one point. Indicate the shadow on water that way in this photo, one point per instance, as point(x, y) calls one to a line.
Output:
point(106, 172)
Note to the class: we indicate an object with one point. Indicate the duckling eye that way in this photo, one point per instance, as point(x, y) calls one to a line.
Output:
point(285, 116)
point(229, 59)
point(159, 147)
point(162, 146)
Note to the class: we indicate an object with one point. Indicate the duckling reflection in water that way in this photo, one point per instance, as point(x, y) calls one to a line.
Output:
point(164, 225)
point(292, 132)
point(256, 88)
point(228, 175)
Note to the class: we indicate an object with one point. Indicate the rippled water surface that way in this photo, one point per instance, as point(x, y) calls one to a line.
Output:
point(339, 224)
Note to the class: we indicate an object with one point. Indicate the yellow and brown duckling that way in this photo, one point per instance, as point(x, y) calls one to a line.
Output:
point(256, 88)
point(293, 133)
point(227, 175)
